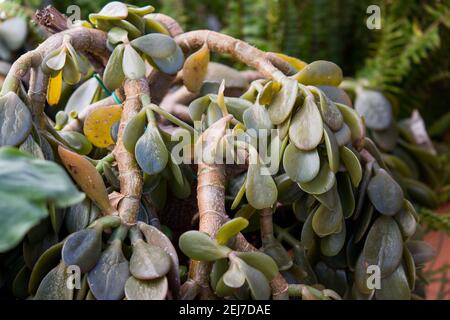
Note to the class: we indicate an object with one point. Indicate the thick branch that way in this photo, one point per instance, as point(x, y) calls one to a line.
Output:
point(268, 64)
point(130, 175)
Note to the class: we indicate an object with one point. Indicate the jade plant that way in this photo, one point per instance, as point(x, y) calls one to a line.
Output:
point(293, 199)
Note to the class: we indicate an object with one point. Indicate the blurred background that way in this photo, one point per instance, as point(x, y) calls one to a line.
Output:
point(408, 59)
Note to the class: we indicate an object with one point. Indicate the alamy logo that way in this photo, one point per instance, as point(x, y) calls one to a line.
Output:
point(74, 278)
point(73, 15)
point(374, 279)
point(373, 22)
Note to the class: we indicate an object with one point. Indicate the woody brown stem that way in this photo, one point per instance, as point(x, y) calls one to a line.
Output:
point(266, 223)
point(130, 175)
point(268, 64)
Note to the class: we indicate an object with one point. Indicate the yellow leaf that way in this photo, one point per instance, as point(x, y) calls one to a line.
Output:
point(54, 89)
point(195, 69)
point(98, 123)
point(87, 177)
point(296, 63)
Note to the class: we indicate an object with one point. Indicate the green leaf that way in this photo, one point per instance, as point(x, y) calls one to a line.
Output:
point(394, 287)
point(385, 193)
point(332, 149)
point(261, 191)
point(114, 72)
point(117, 35)
point(230, 229)
point(258, 283)
point(13, 32)
point(57, 60)
point(151, 152)
point(322, 183)
point(170, 64)
point(375, 108)
point(354, 122)
point(82, 96)
point(83, 249)
point(330, 113)
point(46, 262)
point(155, 45)
point(352, 164)
point(134, 129)
point(71, 72)
point(156, 289)
point(133, 65)
point(17, 216)
point(257, 118)
point(234, 277)
point(260, 261)
point(199, 246)
point(148, 261)
point(284, 101)
point(327, 221)
point(54, 285)
point(384, 245)
point(114, 10)
point(15, 120)
point(320, 72)
point(35, 179)
point(107, 279)
point(306, 128)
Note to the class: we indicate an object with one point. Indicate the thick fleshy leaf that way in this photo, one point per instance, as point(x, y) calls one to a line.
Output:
point(306, 128)
point(117, 35)
point(386, 139)
point(421, 252)
point(332, 149)
point(261, 191)
point(156, 289)
point(322, 183)
point(410, 267)
point(199, 246)
point(195, 69)
point(155, 45)
point(34, 179)
point(54, 285)
point(54, 88)
point(198, 107)
point(82, 96)
point(87, 177)
point(330, 199)
point(148, 261)
point(107, 279)
point(308, 236)
point(326, 222)
point(114, 72)
point(140, 10)
point(17, 216)
point(274, 249)
point(154, 236)
point(385, 193)
point(15, 120)
point(57, 60)
point(257, 118)
point(77, 216)
point(258, 283)
point(375, 108)
point(320, 72)
point(284, 101)
point(361, 275)
point(77, 142)
point(354, 122)
point(336, 94)
point(13, 32)
point(46, 262)
point(384, 245)
point(234, 277)
point(301, 166)
point(406, 220)
point(133, 65)
point(114, 10)
point(363, 222)
point(170, 64)
point(332, 244)
point(343, 135)
point(83, 249)
point(352, 164)
point(71, 72)
point(134, 129)
point(394, 287)
point(151, 152)
point(330, 113)
point(260, 261)
point(346, 194)
point(98, 123)
point(218, 269)
point(230, 229)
